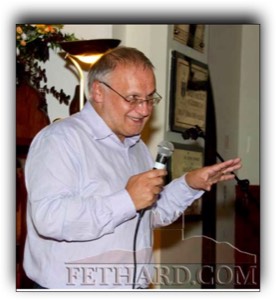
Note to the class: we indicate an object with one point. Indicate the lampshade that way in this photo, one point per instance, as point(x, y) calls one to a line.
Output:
point(89, 47)
point(87, 51)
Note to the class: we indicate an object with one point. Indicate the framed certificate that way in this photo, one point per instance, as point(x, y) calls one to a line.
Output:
point(188, 93)
point(186, 158)
point(191, 35)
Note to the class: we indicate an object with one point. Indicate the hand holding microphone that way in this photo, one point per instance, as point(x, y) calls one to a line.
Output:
point(144, 188)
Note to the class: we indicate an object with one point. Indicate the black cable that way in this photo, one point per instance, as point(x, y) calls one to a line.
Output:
point(134, 247)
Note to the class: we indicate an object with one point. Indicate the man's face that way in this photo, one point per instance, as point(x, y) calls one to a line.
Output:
point(123, 118)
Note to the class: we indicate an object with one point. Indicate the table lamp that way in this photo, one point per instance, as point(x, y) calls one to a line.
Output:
point(87, 52)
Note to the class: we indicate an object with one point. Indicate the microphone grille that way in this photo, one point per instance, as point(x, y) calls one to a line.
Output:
point(165, 148)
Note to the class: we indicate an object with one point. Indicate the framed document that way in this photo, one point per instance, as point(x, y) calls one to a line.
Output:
point(188, 92)
point(185, 159)
point(191, 35)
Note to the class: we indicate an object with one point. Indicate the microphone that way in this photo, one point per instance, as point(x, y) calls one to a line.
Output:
point(165, 150)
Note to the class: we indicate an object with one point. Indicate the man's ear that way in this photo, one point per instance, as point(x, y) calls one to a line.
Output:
point(97, 92)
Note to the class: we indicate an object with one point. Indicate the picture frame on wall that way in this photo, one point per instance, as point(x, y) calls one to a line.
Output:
point(189, 91)
point(191, 35)
point(184, 159)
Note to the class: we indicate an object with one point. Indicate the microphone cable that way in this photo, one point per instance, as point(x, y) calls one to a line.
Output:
point(134, 247)
point(165, 150)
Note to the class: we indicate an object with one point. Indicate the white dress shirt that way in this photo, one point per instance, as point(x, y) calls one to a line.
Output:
point(81, 220)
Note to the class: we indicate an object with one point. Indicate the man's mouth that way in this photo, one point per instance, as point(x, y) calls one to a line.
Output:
point(137, 120)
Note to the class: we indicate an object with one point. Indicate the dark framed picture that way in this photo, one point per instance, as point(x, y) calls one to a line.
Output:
point(189, 91)
point(191, 35)
point(186, 158)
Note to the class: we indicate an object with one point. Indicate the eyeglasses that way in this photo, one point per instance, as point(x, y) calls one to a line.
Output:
point(134, 100)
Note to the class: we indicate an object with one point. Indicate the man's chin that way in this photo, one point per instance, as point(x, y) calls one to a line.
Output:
point(133, 135)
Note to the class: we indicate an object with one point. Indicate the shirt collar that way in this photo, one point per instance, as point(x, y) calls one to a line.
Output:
point(99, 128)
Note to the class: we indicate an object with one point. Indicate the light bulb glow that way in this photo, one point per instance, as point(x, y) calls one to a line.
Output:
point(88, 59)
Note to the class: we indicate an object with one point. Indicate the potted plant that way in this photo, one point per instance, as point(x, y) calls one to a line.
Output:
point(33, 42)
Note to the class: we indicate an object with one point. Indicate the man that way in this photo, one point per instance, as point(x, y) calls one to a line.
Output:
point(88, 177)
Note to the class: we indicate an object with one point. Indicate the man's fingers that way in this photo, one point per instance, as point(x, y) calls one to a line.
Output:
point(228, 166)
point(156, 173)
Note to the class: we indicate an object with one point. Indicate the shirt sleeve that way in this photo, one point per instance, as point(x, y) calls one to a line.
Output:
point(58, 208)
point(173, 201)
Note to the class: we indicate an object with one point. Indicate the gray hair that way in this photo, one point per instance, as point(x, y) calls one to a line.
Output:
point(111, 59)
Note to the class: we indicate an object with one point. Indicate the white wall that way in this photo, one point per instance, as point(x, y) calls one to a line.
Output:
point(234, 67)
point(249, 105)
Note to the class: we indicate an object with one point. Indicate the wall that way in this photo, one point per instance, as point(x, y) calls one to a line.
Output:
point(234, 69)
point(224, 64)
point(249, 105)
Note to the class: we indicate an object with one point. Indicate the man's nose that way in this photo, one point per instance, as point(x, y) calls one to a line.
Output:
point(144, 108)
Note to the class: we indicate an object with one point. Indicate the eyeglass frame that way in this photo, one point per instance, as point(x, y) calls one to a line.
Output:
point(137, 101)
